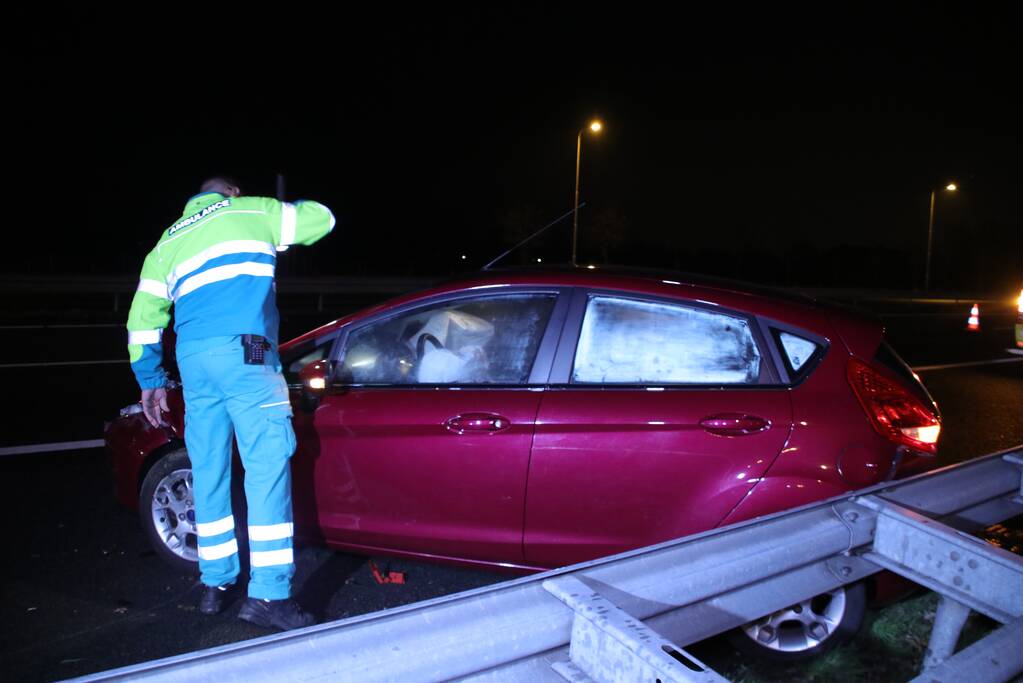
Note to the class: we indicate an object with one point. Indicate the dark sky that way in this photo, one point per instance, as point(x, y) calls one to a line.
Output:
point(785, 145)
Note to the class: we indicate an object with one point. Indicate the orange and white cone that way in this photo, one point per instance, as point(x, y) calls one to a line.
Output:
point(973, 322)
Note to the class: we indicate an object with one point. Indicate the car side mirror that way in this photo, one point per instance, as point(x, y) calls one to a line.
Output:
point(314, 378)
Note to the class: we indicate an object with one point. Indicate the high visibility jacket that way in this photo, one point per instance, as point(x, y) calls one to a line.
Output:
point(216, 266)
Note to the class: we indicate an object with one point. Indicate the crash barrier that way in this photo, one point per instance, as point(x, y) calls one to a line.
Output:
point(117, 291)
point(628, 617)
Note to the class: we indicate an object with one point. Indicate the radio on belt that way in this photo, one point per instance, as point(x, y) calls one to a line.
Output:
point(255, 349)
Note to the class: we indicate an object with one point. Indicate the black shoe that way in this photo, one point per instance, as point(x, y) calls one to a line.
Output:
point(284, 615)
point(215, 598)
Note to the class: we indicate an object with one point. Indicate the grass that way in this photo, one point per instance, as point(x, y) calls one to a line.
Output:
point(890, 647)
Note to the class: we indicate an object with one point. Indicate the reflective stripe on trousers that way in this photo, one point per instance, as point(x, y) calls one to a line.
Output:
point(225, 399)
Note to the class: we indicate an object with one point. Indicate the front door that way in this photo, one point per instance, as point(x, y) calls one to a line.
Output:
point(423, 443)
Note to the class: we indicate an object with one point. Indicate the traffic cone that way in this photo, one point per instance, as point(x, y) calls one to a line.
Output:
point(973, 322)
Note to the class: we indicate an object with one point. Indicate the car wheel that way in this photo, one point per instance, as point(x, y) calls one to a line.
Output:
point(167, 511)
point(805, 629)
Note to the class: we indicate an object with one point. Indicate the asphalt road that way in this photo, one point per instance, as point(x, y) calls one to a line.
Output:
point(82, 591)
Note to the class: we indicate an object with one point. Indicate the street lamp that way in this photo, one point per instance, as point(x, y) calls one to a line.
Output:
point(595, 126)
point(951, 187)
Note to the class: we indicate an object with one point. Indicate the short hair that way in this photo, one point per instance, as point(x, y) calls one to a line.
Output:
point(221, 184)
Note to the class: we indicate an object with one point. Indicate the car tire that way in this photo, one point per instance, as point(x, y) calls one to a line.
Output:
point(167, 511)
point(806, 629)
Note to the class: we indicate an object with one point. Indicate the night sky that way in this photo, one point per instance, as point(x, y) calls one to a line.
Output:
point(786, 146)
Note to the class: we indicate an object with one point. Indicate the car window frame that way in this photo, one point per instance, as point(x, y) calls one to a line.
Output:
point(564, 362)
point(542, 362)
point(329, 338)
point(769, 328)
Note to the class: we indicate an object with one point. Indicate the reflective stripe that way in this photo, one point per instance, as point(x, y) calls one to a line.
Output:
point(217, 527)
point(271, 405)
point(224, 273)
point(270, 558)
point(289, 218)
point(206, 221)
point(145, 336)
point(154, 287)
point(271, 532)
point(217, 250)
point(219, 551)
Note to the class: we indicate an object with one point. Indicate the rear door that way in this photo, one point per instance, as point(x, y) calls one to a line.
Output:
point(661, 416)
point(423, 443)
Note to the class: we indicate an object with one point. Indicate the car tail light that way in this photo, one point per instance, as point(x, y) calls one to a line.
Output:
point(1019, 306)
point(894, 412)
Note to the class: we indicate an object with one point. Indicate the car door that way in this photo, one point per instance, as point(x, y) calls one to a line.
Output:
point(661, 416)
point(422, 443)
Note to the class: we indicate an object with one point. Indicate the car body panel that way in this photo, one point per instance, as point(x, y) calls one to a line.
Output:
point(385, 471)
point(639, 467)
point(132, 444)
point(578, 470)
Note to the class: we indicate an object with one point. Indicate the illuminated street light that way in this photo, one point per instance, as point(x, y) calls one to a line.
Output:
point(951, 187)
point(595, 127)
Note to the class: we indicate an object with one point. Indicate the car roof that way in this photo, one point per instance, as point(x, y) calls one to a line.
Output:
point(641, 280)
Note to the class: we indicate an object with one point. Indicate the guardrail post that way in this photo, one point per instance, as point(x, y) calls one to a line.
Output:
point(609, 645)
point(1018, 461)
point(948, 624)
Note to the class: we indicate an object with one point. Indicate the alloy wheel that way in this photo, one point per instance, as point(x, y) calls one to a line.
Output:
point(801, 626)
point(173, 510)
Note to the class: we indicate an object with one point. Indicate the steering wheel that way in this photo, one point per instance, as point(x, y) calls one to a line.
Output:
point(421, 344)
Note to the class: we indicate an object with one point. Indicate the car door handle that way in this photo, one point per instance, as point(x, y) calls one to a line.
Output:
point(734, 424)
point(477, 422)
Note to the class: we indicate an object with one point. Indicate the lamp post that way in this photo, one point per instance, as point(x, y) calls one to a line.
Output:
point(951, 187)
point(596, 127)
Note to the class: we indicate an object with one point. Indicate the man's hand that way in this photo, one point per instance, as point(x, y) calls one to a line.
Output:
point(153, 402)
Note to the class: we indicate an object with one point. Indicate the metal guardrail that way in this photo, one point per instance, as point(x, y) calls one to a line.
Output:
point(121, 289)
point(121, 286)
point(628, 617)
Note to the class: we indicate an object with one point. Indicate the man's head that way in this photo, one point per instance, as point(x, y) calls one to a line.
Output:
point(225, 186)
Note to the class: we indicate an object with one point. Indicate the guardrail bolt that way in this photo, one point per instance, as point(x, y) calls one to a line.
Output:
point(845, 571)
point(852, 516)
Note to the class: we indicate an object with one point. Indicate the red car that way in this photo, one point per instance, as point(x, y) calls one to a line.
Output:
point(531, 420)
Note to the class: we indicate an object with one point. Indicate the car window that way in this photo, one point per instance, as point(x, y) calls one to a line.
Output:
point(624, 341)
point(485, 340)
point(797, 350)
point(294, 359)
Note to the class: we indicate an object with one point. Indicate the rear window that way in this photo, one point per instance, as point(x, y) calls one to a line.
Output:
point(799, 353)
point(887, 357)
point(624, 341)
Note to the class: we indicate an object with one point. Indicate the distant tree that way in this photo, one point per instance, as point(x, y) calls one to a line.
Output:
point(518, 222)
point(609, 228)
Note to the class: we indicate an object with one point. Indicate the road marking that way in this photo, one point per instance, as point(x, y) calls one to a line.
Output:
point(925, 368)
point(50, 447)
point(59, 363)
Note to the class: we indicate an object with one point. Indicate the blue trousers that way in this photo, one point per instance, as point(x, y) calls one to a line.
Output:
point(225, 399)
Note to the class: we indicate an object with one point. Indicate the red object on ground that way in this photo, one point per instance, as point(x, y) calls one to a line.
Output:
point(391, 577)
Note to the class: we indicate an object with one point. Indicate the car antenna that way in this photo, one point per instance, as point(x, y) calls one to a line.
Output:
point(535, 234)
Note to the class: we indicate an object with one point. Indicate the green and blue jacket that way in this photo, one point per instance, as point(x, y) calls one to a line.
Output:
point(215, 265)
